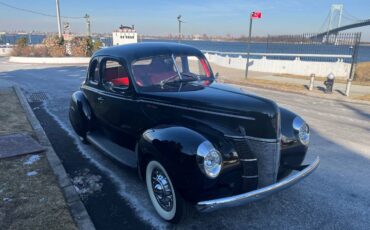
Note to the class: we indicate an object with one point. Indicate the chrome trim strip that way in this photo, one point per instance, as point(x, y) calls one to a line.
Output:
point(198, 110)
point(248, 160)
point(241, 199)
point(253, 138)
point(250, 177)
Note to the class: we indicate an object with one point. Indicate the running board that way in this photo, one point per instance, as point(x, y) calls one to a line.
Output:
point(118, 153)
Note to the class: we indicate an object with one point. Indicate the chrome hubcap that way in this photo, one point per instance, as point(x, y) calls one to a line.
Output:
point(162, 189)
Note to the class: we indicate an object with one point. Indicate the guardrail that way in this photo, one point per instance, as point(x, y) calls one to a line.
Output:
point(279, 54)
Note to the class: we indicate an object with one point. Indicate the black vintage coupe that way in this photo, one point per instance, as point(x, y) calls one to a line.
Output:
point(158, 107)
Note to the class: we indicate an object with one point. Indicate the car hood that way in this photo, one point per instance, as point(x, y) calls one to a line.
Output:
point(221, 99)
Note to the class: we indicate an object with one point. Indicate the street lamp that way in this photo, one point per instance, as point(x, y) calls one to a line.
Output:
point(88, 29)
point(253, 15)
point(179, 20)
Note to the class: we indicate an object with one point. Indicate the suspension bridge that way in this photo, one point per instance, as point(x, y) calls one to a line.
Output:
point(339, 20)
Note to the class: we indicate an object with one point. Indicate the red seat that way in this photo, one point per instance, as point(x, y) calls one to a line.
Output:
point(122, 81)
point(117, 75)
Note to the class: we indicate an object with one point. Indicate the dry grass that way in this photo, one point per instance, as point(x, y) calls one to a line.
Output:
point(12, 118)
point(357, 81)
point(287, 87)
point(27, 202)
point(363, 97)
point(268, 84)
point(363, 72)
point(31, 202)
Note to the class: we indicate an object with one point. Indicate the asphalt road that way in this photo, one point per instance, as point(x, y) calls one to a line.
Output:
point(336, 196)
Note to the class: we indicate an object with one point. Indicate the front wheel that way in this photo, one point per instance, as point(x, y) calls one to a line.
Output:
point(166, 201)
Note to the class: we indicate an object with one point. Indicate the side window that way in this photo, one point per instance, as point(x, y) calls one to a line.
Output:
point(94, 72)
point(193, 65)
point(197, 66)
point(115, 76)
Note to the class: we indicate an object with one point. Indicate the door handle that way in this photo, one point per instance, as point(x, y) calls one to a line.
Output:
point(100, 99)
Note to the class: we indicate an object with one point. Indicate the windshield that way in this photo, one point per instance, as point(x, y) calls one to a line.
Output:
point(164, 71)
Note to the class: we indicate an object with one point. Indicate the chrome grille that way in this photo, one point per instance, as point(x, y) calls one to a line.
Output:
point(249, 163)
point(259, 159)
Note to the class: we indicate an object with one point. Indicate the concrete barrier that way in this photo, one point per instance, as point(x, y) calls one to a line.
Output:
point(5, 51)
point(297, 67)
point(50, 60)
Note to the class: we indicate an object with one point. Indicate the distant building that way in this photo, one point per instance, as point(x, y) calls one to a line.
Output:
point(124, 35)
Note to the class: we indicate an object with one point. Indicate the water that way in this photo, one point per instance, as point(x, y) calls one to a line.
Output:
point(363, 52)
point(31, 38)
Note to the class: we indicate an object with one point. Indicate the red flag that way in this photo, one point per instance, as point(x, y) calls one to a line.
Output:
point(256, 15)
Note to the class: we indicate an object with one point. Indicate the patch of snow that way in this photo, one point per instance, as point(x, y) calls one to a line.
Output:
point(33, 173)
point(32, 159)
point(86, 183)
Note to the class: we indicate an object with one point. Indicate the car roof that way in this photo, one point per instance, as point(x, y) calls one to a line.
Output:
point(140, 50)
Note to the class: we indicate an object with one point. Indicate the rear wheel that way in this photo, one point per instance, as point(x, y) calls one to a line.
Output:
point(166, 201)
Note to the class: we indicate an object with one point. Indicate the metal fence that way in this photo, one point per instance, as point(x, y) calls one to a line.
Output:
point(344, 44)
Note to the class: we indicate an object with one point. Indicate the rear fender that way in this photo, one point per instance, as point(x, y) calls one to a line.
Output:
point(80, 114)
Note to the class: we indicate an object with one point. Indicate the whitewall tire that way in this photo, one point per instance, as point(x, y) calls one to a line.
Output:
point(164, 198)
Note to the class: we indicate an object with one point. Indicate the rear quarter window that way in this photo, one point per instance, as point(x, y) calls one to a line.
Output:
point(94, 72)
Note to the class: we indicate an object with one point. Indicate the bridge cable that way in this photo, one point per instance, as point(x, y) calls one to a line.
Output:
point(354, 18)
point(326, 22)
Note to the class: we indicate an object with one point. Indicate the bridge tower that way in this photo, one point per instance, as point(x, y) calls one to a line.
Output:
point(335, 18)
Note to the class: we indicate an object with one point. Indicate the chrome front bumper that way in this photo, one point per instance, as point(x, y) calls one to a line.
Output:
point(241, 199)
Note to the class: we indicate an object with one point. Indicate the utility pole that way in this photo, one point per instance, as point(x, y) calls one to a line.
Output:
point(58, 19)
point(253, 15)
point(87, 17)
point(179, 19)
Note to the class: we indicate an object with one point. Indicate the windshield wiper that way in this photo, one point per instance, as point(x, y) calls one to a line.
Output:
point(195, 77)
point(170, 79)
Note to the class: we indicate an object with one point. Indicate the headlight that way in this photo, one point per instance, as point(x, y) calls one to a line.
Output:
point(209, 159)
point(303, 130)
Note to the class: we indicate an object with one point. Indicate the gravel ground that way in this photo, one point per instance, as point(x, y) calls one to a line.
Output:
point(334, 197)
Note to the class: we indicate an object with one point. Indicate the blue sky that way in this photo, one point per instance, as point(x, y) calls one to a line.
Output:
point(158, 17)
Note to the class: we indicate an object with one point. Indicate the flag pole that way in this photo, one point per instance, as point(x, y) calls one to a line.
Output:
point(249, 45)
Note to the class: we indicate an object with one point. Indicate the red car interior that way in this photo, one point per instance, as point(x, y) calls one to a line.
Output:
point(117, 75)
point(146, 75)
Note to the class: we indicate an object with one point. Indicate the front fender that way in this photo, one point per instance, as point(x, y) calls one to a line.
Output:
point(293, 151)
point(175, 147)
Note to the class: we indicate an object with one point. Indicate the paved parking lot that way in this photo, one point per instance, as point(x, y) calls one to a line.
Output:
point(336, 196)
